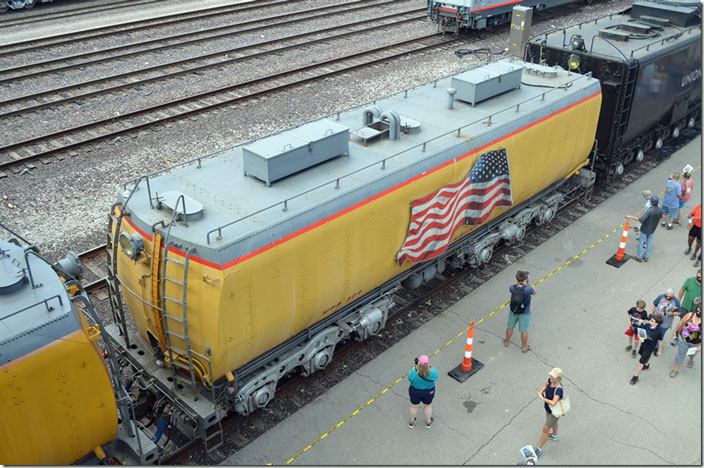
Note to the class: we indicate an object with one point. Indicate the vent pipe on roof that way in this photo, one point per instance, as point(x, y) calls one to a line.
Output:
point(394, 121)
point(451, 98)
point(369, 114)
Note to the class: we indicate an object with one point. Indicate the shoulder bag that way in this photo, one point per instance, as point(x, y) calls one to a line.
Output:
point(562, 407)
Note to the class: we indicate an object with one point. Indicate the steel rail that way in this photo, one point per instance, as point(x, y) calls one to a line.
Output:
point(20, 73)
point(203, 106)
point(139, 25)
point(133, 84)
point(26, 19)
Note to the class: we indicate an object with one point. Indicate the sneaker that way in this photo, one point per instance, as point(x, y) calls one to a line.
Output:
point(673, 342)
point(646, 366)
point(645, 259)
point(633, 353)
point(673, 374)
point(538, 451)
point(688, 251)
point(634, 380)
point(693, 257)
point(629, 347)
point(412, 424)
point(669, 227)
point(554, 437)
point(430, 424)
point(638, 259)
point(663, 224)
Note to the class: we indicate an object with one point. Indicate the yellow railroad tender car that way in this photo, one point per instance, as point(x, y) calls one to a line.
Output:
point(56, 398)
point(240, 267)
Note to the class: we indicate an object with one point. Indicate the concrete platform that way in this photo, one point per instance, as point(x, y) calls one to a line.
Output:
point(578, 324)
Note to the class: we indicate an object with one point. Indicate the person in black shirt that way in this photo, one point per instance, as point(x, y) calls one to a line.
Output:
point(634, 315)
point(654, 334)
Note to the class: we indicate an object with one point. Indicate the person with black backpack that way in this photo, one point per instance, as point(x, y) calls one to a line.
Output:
point(521, 293)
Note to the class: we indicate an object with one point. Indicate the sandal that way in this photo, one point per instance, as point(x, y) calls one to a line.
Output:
point(690, 364)
point(526, 350)
point(673, 374)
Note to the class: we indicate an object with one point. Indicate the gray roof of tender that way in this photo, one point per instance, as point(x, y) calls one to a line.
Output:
point(25, 321)
point(634, 47)
point(226, 194)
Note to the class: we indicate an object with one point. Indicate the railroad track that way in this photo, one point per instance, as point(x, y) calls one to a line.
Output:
point(24, 72)
point(412, 310)
point(174, 19)
point(27, 18)
point(111, 128)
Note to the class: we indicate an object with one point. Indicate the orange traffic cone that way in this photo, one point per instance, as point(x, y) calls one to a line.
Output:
point(469, 366)
point(620, 257)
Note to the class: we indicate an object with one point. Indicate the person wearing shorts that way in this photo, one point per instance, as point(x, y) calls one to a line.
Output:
point(523, 320)
point(689, 335)
point(422, 390)
point(550, 393)
point(687, 185)
point(695, 231)
point(671, 200)
point(654, 334)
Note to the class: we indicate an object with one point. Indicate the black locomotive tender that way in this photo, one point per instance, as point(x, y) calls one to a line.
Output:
point(649, 62)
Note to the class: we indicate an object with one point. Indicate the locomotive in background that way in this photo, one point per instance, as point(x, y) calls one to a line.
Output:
point(649, 63)
point(18, 4)
point(456, 16)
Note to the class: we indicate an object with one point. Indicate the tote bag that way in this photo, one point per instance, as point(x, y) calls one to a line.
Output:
point(561, 408)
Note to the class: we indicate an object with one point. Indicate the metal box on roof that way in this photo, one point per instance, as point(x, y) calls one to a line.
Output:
point(286, 153)
point(492, 79)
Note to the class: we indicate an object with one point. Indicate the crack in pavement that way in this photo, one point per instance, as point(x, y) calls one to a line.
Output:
point(633, 446)
point(530, 402)
point(541, 359)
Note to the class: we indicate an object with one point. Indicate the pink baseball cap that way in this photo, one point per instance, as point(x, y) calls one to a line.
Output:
point(423, 360)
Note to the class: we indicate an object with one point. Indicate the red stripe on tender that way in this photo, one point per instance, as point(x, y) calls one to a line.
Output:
point(349, 209)
point(448, 9)
point(496, 6)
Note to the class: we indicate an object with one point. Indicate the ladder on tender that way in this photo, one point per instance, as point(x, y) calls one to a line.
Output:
point(180, 303)
point(630, 72)
point(212, 435)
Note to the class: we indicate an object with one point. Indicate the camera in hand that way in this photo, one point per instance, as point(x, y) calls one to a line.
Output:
point(416, 361)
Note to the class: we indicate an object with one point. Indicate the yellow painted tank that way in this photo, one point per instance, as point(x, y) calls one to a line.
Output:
point(56, 399)
point(275, 248)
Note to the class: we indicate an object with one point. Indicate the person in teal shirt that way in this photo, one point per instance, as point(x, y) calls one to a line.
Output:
point(422, 389)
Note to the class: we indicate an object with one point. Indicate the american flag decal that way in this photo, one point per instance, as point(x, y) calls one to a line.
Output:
point(435, 217)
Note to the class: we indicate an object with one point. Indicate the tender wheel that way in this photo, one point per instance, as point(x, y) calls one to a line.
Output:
point(618, 170)
point(640, 155)
point(30, 4)
point(262, 396)
point(485, 255)
point(675, 132)
point(691, 122)
point(3, 6)
point(658, 143)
